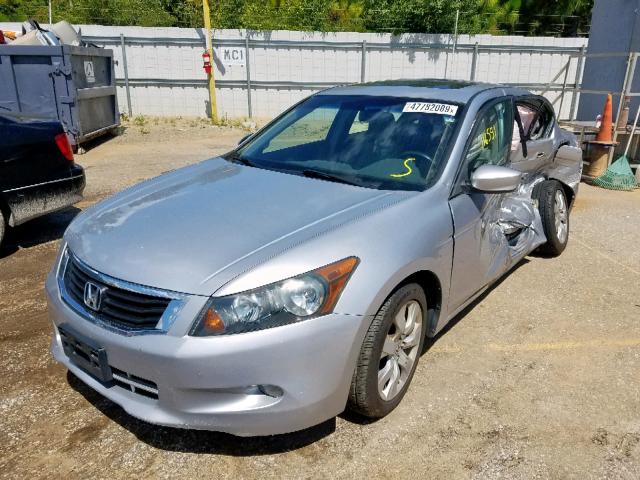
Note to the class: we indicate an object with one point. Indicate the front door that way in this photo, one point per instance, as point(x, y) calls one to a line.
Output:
point(479, 252)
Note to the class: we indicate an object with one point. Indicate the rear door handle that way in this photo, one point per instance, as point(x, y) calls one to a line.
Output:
point(540, 154)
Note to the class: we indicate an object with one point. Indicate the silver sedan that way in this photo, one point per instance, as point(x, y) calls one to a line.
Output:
point(267, 290)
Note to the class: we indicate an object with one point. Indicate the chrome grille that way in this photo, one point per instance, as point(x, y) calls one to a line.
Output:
point(119, 307)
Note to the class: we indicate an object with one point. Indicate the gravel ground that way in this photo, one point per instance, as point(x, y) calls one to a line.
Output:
point(539, 379)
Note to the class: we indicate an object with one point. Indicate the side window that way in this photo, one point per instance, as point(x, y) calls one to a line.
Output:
point(313, 127)
point(490, 138)
point(527, 115)
point(536, 122)
point(541, 125)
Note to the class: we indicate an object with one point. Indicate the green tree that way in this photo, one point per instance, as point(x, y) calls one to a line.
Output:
point(19, 10)
point(534, 17)
point(496, 16)
point(559, 17)
point(186, 13)
point(346, 15)
point(145, 13)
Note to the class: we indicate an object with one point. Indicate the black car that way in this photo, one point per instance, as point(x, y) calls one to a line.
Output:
point(37, 172)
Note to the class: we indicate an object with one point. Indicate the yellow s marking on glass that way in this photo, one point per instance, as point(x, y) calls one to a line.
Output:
point(407, 166)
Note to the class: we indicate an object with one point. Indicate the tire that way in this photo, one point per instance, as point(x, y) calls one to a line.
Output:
point(365, 397)
point(554, 212)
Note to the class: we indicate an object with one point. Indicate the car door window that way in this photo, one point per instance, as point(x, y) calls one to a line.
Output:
point(490, 139)
point(527, 115)
point(542, 123)
point(536, 119)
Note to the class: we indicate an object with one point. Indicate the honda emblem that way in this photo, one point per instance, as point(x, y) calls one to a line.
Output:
point(93, 296)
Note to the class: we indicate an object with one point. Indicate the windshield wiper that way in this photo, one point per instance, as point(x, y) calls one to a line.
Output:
point(310, 173)
point(235, 157)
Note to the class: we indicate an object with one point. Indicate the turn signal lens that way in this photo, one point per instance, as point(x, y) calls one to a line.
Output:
point(292, 300)
point(212, 321)
point(336, 276)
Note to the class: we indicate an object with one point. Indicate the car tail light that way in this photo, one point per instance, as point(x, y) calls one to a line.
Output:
point(64, 146)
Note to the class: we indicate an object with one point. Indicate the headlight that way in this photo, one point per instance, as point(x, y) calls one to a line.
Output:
point(306, 296)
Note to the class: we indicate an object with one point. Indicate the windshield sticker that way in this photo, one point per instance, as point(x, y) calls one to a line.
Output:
point(407, 166)
point(428, 107)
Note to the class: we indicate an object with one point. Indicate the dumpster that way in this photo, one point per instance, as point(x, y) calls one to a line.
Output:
point(71, 83)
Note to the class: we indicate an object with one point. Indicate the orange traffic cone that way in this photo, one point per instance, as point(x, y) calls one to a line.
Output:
point(606, 128)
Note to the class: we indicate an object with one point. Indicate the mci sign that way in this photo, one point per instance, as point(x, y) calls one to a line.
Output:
point(231, 55)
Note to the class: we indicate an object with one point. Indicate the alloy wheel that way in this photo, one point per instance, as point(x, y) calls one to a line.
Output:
point(400, 350)
point(560, 211)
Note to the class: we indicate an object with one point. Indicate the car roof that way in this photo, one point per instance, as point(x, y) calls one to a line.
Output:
point(433, 89)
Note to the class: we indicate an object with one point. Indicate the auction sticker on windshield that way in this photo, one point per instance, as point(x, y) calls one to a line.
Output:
point(428, 107)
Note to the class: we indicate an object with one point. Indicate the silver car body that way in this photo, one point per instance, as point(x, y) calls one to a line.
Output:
point(218, 228)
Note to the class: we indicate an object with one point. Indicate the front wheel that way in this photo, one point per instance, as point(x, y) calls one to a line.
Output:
point(554, 212)
point(390, 353)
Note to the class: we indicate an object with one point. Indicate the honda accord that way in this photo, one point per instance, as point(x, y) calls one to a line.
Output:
point(267, 290)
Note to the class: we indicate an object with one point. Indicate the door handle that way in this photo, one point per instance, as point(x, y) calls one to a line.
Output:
point(540, 154)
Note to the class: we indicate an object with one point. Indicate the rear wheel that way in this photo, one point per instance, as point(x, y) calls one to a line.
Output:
point(389, 353)
point(554, 212)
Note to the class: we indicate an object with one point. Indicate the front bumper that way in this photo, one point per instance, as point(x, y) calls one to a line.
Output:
point(210, 383)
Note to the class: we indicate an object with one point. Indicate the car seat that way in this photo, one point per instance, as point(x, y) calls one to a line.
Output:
point(378, 141)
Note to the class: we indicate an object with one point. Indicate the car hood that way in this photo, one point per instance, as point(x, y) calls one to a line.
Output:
point(197, 228)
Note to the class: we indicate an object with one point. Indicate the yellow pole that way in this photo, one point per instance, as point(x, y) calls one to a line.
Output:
point(212, 80)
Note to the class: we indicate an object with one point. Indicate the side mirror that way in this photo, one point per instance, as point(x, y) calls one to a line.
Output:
point(246, 137)
point(495, 179)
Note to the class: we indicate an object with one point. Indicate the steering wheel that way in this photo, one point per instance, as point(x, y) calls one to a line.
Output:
point(423, 161)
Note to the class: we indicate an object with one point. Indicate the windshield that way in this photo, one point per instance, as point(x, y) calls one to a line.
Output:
point(377, 142)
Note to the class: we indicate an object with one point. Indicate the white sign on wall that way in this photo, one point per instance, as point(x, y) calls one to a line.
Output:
point(89, 72)
point(231, 55)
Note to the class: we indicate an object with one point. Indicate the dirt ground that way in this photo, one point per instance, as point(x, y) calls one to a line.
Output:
point(539, 379)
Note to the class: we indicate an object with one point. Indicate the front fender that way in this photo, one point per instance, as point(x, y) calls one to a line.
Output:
point(392, 244)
